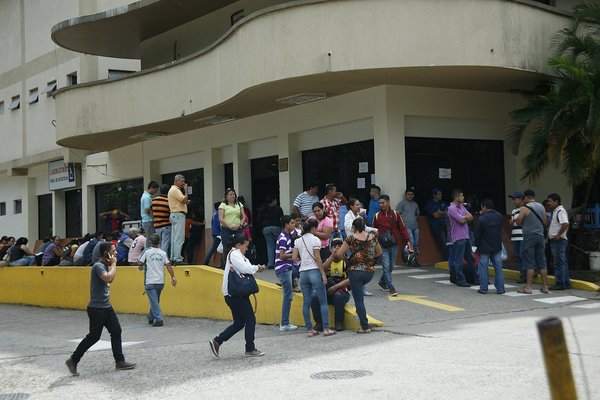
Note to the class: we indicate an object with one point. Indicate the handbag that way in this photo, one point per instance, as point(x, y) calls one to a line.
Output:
point(387, 239)
point(240, 285)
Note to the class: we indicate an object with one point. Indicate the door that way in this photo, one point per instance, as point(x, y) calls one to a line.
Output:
point(265, 182)
point(73, 213)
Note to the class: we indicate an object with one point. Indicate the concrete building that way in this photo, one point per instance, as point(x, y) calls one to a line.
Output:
point(264, 96)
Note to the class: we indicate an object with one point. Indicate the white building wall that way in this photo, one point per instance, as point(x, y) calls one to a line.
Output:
point(10, 32)
point(11, 123)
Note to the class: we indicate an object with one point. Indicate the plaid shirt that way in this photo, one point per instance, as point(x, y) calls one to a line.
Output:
point(332, 210)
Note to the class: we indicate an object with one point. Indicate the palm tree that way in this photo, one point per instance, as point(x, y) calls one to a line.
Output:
point(564, 113)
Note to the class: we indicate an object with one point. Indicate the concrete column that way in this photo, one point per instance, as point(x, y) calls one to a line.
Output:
point(290, 181)
point(214, 180)
point(30, 206)
point(242, 172)
point(88, 206)
point(59, 223)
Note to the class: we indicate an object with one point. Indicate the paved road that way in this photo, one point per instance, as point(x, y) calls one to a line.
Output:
point(488, 348)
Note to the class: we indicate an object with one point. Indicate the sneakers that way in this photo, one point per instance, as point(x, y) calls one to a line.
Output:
point(339, 326)
point(557, 287)
point(255, 353)
point(214, 346)
point(367, 293)
point(72, 365)
point(287, 328)
point(393, 292)
point(122, 365)
point(462, 284)
point(158, 322)
point(151, 321)
point(383, 286)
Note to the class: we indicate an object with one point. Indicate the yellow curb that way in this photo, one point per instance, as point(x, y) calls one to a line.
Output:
point(512, 274)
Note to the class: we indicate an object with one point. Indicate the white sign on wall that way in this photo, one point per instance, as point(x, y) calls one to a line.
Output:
point(61, 175)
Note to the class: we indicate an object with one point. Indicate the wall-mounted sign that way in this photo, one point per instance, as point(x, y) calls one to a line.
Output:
point(63, 176)
point(283, 164)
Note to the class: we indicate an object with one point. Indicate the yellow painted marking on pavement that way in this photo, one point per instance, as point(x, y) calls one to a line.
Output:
point(421, 300)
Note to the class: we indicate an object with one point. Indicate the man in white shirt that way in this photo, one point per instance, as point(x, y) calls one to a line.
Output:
point(557, 237)
point(153, 263)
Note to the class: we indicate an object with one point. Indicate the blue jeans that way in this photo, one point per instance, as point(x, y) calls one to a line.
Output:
point(149, 229)
point(338, 299)
point(25, 260)
point(413, 233)
point(516, 245)
point(165, 238)
point(286, 285)
point(215, 244)
point(388, 257)
point(271, 233)
point(358, 280)
point(312, 280)
point(561, 266)
point(450, 248)
point(462, 250)
point(226, 238)
point(153, 292)
point(484, 262)
point(177, 235)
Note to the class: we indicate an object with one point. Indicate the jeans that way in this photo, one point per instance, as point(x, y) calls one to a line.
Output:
point(271, 233)
point(388, 258)
point(561, 266)
point(215, 243)
point(450, 248)
point(226, 238)
point(165, 238)
point(286, 285)
point(338, 299)
point(25, 260)
point(413, 234)
point(243, 317)
point(312, 280)
point(177, 235)
point(99, 318)
point(438, 231)
point(153, 292)
point(358, 279)
point(516, 245)
point(462, 250)
point(484, 262)
point(533, 252)
point(148, 227)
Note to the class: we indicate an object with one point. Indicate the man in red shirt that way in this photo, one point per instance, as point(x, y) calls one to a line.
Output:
point(332, 202)
point(393, 235)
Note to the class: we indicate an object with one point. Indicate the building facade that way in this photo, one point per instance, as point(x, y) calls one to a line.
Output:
point(264, 96)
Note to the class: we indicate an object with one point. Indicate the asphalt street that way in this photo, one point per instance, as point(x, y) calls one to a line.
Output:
point(439, 342)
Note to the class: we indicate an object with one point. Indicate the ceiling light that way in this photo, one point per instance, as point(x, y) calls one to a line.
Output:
point(146, 136)
point(216, 119)
point(302, 98)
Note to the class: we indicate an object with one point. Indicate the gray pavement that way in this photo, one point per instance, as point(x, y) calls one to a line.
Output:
point(489, 348)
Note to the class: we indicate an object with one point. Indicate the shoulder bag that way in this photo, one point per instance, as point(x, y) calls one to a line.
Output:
point(240, 285)
point(539, 218)
point(387, 239)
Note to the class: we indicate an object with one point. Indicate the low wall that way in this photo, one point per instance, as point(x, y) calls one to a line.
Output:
point(198, 293)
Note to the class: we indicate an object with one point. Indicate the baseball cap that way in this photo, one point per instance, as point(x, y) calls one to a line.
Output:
point(337, 242)
point(516, 195)
point(435, 190)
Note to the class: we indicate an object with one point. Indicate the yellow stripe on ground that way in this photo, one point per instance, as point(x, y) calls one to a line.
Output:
point(421, 300)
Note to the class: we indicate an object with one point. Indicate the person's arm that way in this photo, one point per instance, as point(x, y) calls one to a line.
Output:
point(338, 286)
point(342, 250)
point(455, 215)
point(378, 250)
point(26, 250)
point(296, 210)
point(563, 229)
point(317, 256)
point(523, 212)
point(109, 276)
point(348, 219)
point(172, 273)
point(295, 254)
point(104, 214)
point(478, 231)
point(242, 265)
point(327, 262)
point(57, 251)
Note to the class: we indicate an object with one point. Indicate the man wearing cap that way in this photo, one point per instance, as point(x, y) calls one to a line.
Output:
point(532, 217)
point(557, 237)
point(516, 235)
point(178, 201)
point(436, 216)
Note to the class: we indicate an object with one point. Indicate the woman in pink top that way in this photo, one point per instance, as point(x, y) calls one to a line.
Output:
point(324, 229)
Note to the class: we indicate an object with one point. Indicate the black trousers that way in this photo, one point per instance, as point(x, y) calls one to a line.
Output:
point(243, 317)
point(100, 318)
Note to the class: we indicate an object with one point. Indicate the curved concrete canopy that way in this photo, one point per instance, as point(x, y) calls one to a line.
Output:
point(119, 32)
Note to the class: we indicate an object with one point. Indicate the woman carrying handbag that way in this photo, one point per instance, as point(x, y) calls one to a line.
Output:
point(241, 308)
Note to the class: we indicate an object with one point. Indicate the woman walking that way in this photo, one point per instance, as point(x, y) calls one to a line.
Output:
point(364, 249)
point(232, 219)
point(312, 276)
point(241, 308)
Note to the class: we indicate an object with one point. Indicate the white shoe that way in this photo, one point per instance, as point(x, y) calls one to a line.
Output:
point(367, 293)
point(287, 328)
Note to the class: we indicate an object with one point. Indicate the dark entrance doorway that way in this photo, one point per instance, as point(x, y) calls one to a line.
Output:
point(265, 182)
point(475, 166)
point(44, 216)
point(73, 213)
point(343, 165)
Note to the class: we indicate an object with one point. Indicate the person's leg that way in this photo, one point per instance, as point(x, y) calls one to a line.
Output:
point(152, 294)
point(215, 243)
point(357, 280)
point(226, 240)
point(286, 285)
point(114, 328)
point(315, 307)
point(249, 322)
point(306, 286)
point(20, 262)
point(321, 293)
point(516, 245)
point(498, 272)
point(564, 244)
point(149, 229)
point(177, 235)
point(558, 272)
point(451, 267)
point(459, 254)
point(470, 258)
point(339, 302)
point(96, 317)
point(165, 239)
point(386, 274)
point(236, 308)
point(393, 255)
point(528, 254)
point(484, 262)
point(540, 260)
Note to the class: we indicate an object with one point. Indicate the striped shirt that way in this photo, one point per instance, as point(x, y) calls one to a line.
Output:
point(516, 234)
point(304, 202)
point(332, 210)
point(160, 211)
point(284, 242)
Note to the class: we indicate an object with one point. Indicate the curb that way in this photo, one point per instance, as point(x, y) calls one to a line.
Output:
point(512, 274)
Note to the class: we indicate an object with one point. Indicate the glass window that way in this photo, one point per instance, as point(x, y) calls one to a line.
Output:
point(1, 107)
point(33, 96)
point(123, 196)
point(117, 73)
point(15, 103)
point(194, 179)
point(18, 206)
point(50, 88)
point(3, 208)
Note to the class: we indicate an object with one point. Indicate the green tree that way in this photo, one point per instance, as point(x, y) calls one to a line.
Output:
point(564, 113)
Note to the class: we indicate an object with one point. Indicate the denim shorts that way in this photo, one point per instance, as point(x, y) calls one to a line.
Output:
point(533, 252)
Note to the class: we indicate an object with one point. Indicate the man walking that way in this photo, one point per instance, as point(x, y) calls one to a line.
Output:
point(436, 217)
point(516, 235)
point(145, 208)
point(153, 263)
point(160, 216)
point(557, 237)
point(409, 210)
point(332, 201)
point(178, 202)
point(392, 234)
point(459, 218)
point(532, 217)
point(305, 200)
point(488, 239)
point(100, 311)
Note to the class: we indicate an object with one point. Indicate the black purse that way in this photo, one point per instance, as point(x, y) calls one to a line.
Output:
point(240, 285)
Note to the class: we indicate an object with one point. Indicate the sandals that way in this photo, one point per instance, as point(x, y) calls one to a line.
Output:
point(524, 291)
point(364, 331)
point(545, 291)
point(313, 333)
point(329, 332)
